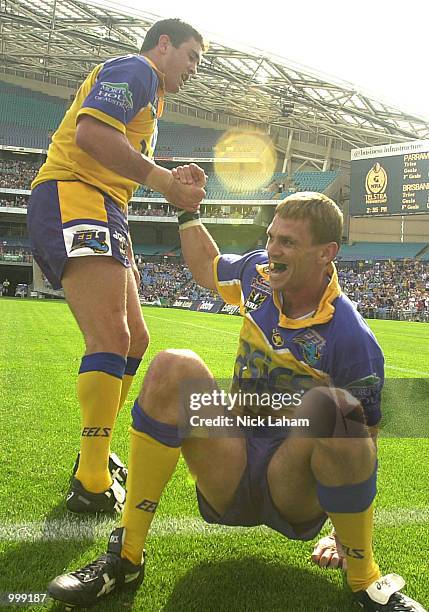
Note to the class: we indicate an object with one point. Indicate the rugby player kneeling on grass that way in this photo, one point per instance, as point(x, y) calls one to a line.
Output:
point(299, 334)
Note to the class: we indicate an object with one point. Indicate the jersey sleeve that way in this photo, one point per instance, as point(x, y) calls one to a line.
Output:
point(359, 369)
point(123, 87)
point(230, 272)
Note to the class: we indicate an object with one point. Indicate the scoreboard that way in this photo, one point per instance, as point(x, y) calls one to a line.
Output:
point(390, 179)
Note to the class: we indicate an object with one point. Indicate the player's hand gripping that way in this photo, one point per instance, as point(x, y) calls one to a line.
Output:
point(329, 553)
point(191, 174)
point(183, 186)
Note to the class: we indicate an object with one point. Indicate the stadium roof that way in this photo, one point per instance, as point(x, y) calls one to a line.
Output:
point(61, 41)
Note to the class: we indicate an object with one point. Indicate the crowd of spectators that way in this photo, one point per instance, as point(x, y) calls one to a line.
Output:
point(388, 289)
point(382, 290)
point(17, 174)
point(165, 281)
point(15, 253)
point(14, 201)
point(162, 210)
point(165, 210)
point(233, 212)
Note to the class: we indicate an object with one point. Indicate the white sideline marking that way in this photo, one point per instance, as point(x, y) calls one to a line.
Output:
point(78, 529)
point(236, 334)
point(407, 371)
point(213, 329)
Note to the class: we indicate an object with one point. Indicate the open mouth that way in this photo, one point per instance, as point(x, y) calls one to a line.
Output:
point(277, 267)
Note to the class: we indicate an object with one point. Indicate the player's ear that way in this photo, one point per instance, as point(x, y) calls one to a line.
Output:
point(164, 42)
point(329, 252)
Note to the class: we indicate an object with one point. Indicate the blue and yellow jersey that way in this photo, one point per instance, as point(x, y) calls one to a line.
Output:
point(276, 354)
point(125, 93)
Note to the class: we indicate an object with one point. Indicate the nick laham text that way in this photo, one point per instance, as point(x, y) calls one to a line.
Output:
point(247, 421)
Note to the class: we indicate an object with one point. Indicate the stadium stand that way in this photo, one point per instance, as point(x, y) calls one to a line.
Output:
point(23, 110)
point(383, 290)
point(166, 281)
point(17, 174)
point(185, 141)
point(384, 279)
point(389, 289)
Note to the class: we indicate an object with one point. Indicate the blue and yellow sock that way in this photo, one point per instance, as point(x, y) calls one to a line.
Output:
point(351, 511)
point(155, 450)
point(131, 368)
point(99, 388)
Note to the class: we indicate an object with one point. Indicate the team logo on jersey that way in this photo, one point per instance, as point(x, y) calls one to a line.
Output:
point(260, 284)
point(118, 94)
point(277, 339)
point(255, 300)
point(264, 271)
point(94, 240)
point(376, 184)
point(366, 387)
point(311, 344)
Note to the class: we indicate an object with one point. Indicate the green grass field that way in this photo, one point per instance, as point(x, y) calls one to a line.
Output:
point(191, 567)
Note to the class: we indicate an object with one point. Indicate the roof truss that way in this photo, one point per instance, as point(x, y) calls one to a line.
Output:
point(64, 39)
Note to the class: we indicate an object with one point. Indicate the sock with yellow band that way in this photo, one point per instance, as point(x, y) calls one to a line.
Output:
point(99, 388)
point(351, 510)
point(154, 453)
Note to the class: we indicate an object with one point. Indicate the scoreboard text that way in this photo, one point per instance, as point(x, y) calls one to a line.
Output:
point(390, 179)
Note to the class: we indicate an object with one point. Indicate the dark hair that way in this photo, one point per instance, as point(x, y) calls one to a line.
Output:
point(323, 215)
point(176, 29)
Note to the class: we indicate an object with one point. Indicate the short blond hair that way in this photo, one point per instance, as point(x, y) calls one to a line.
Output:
point(324, 216)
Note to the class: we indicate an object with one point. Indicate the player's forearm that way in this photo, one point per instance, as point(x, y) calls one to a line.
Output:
point(112, 150)
point(199, 250)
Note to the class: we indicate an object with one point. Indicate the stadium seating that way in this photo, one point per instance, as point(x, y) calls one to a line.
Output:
point(28, 117)
point(185, 141)
point(249, 190)
point(155, 249)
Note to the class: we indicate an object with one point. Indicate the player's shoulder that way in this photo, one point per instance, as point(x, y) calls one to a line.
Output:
point(350, 326)
point(253, 262)
point(131, 64)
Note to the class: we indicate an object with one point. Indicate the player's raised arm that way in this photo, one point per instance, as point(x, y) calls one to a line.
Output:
point(111, 149)
point(198, 247)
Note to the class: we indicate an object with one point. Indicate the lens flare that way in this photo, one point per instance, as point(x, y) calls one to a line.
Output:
point(244, 160)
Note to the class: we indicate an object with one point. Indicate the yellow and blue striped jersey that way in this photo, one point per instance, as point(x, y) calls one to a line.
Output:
point(277, 354)
point(125, 93)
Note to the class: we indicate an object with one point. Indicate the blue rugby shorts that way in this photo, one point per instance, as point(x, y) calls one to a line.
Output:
point(252, 504)
point(73, 219)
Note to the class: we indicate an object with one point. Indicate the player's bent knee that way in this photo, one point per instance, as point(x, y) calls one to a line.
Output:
point(173, 365)
point(169, 375)
point(333, 413)
point(139, 342)
point(353, 460)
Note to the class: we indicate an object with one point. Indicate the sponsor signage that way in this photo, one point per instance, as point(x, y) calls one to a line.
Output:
point(207, 305)
point(184, 304)
point(230, 309)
